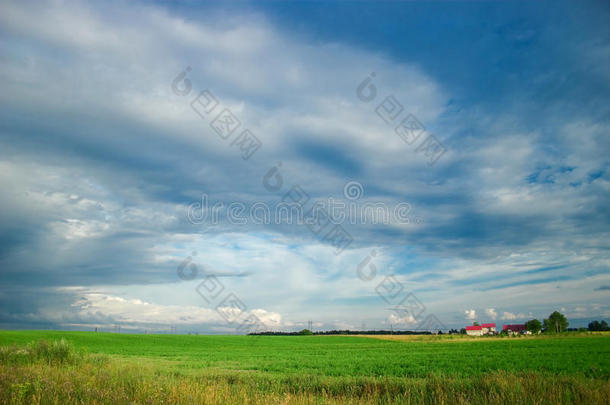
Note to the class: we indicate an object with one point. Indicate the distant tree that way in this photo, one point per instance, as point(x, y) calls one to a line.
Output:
point(533, 326)
point(305, 332)
point(556, 323)
point(453, 331)
point(598, 326)
point(463, 331)
point(475, 324)
point(594, 326)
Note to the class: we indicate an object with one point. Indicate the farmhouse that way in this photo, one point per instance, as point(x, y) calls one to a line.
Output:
point(515, 329)
point(480, 330)
point(489, 328)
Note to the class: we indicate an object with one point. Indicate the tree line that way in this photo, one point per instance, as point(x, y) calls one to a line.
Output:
point(555, 323)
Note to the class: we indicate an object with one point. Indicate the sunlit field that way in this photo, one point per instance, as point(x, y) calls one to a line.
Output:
point(86, 367)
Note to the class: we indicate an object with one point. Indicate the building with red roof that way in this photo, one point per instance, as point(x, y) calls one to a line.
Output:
point(480, 330)
point(488, 328)
point(514, 329)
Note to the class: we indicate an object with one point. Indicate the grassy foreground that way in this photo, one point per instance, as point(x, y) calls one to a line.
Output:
point(149, 369)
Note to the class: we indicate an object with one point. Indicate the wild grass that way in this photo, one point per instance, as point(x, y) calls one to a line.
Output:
point(132, 384)
point(132, 369)
point(55, 352)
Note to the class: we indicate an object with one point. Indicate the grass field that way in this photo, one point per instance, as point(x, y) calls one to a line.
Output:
point(122, 368)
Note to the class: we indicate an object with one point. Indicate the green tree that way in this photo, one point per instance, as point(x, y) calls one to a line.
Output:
point(556, 323)
point(533, 325)
point(475, 324)
point(598, 326)
point(305, 332)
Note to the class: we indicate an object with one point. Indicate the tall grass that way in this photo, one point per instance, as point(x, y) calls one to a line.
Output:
point(113, 383)
point(55, 352)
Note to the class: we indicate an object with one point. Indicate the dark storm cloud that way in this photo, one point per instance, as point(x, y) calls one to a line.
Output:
point(100, 160)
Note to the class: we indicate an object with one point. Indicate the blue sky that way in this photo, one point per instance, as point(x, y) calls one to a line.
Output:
point(102, 162)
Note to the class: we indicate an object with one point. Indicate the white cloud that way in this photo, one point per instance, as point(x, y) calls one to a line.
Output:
point(97, 305)
point(471, 314)
point(490, 312)
point(269, 319)
point(100, 307)
point(406, 320)
point(509, 316)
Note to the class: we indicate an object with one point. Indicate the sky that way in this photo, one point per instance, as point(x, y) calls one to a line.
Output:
point(243, 166)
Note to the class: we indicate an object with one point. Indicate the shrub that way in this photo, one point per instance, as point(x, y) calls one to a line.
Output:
point(56, 352)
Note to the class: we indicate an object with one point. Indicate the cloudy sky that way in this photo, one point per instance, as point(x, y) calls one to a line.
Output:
point(141, 144)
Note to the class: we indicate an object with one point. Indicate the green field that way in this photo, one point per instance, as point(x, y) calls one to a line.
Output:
point(123, 368)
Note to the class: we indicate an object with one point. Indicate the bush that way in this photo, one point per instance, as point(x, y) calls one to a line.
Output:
point(56, 352)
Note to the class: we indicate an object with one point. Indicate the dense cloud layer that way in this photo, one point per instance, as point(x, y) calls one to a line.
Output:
point(101, 160)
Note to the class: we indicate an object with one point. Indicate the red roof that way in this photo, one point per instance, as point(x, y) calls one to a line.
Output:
point(489, 325)
point(474, 327)
point(514, 328)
